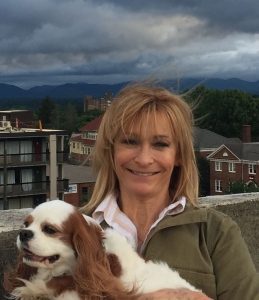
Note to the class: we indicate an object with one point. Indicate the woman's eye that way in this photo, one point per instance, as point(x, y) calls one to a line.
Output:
point(161, 144)
point(129, 141)
point(49, 230)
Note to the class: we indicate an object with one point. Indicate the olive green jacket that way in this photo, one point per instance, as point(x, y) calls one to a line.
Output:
point(207, 249)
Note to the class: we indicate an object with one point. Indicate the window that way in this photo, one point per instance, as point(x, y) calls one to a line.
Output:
point(92, 135)
point(232, 167)
point(218, 185)
point(252, 169)
point(218, 166)
point(84, 195)
point(88, 150)
point(74, 145)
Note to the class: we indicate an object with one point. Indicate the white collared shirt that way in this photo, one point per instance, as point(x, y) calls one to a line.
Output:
point(109, 211)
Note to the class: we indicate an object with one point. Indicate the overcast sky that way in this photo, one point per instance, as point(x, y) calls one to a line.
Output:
point(109, 41)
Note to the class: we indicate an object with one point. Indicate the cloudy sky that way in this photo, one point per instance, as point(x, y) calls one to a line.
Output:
point(109, 41)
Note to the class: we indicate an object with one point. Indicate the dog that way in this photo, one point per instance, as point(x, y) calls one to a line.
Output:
point(65, 255)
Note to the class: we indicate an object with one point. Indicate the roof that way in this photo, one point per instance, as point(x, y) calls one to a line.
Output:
point(244, 151)
point(78, 174)
point(29, 132)
point(204, 138)
point(92, 125)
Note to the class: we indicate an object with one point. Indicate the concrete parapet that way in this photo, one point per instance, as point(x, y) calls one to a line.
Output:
point(243, 208)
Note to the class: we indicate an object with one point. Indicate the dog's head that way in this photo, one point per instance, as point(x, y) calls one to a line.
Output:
point(60, 241)
point(49, 237)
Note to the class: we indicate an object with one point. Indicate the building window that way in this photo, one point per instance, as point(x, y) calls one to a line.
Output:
point(87, 150)
point(231, 167)
point(218, 185)
point(252, 169)
point(218, 166)
point(74, 145)
point(92, 135)
point(84, 195)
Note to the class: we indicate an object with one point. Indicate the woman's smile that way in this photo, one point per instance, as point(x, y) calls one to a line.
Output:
point(142, 173)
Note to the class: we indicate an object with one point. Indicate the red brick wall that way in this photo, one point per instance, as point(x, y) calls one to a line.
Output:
point(77, 198)
point(226, 176)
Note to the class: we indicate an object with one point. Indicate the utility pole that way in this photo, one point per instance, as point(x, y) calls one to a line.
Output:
point(5, 202)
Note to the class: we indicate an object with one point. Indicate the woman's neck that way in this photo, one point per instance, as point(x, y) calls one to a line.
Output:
point(143, 212)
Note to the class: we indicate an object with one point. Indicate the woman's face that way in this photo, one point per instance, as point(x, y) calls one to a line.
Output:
point(145, 158)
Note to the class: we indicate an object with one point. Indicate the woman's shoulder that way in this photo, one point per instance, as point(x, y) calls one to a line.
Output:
point(211, 218)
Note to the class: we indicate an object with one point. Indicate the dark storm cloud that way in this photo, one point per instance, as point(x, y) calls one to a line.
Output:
point(109, 41)
point(240, 15)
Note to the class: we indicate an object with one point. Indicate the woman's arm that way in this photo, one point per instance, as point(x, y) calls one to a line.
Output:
point(177, 294)
point(234, 269)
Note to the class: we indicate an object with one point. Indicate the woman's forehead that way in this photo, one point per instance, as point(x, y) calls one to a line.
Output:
point(149, 124)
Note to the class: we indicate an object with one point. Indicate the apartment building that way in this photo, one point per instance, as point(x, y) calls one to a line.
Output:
point(30, 166)
point(91, 103)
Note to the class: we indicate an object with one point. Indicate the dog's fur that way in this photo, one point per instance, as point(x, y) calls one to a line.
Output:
point(67, 256)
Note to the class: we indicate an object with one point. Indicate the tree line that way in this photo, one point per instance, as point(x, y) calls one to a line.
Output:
point(224, 112)
point(69, 117)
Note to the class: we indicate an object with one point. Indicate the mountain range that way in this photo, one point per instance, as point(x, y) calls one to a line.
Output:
point(80, 90)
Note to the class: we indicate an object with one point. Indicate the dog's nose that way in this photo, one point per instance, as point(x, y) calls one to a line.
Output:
point(25, 235)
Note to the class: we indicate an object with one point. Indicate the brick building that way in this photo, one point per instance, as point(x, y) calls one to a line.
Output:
point(81, 184)
point(234, 162)
point(91, 103)
point(17, 118)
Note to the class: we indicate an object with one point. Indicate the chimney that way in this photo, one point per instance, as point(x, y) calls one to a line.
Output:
point(246, 133)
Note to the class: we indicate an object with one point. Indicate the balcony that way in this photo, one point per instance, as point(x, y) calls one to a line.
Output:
point(27, 159)
point(31, 188)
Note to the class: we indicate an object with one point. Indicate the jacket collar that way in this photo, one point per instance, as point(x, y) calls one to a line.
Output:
point(190, 215)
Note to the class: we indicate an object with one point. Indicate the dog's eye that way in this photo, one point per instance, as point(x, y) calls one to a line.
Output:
point(26, 224)
point(49, 229)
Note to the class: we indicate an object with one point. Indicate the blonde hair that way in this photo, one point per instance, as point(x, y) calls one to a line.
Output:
point(136, 103)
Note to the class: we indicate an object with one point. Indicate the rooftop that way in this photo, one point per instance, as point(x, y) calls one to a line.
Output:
point(78, 174)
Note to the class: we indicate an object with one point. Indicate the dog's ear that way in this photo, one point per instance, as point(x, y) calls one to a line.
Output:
point(93, 275)
point(11, 277)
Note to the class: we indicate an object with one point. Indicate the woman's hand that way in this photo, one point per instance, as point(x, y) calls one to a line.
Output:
point(175, 294)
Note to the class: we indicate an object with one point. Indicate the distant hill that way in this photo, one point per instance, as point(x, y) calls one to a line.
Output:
point(79, 90)
point(215, 83)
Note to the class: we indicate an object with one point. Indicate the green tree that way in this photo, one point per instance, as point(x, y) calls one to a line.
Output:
point(87, 117)
point(45, 111)
point(224, 112)
point(237, 187)
point(69, 118)
point(204, 172)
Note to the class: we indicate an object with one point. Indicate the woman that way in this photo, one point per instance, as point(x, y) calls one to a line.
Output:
point(147, 189)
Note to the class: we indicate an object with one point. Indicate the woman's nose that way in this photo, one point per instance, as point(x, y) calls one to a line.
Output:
point(144, 155)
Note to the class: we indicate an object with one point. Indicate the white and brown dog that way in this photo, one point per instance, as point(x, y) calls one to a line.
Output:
point(65, 255)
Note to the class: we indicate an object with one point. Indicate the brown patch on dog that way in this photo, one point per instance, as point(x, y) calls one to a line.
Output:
point(114, 264)
point(28, 220)
point(61, 284)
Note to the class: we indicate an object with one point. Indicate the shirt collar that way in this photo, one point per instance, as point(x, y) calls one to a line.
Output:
point(109, 211)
